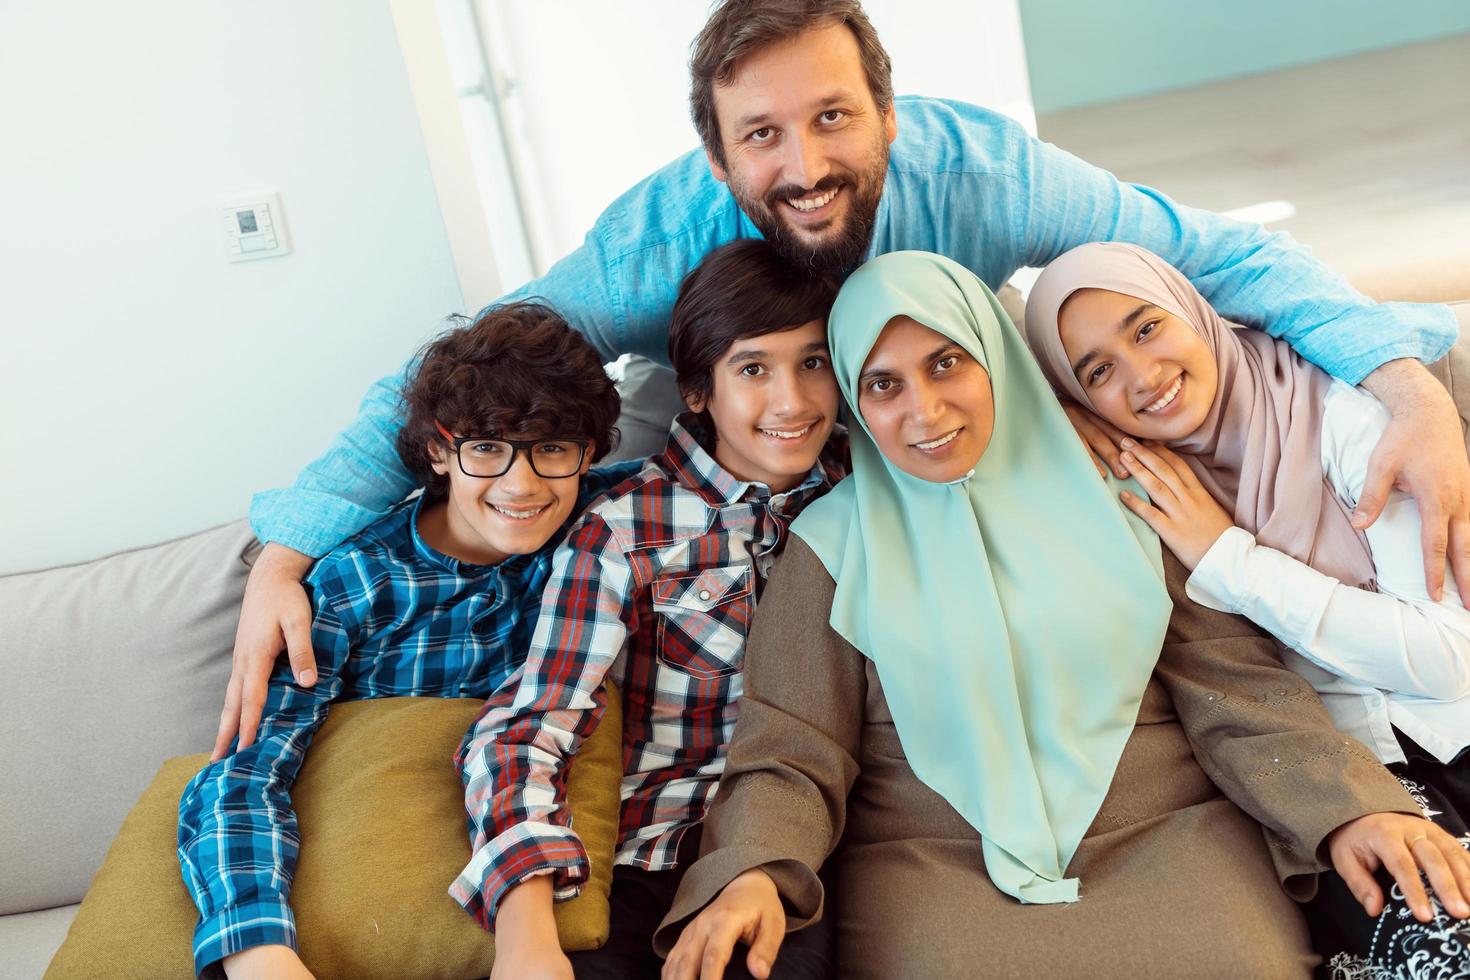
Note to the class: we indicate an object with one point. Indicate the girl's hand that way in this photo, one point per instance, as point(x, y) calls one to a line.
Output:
point(1404, 845)
point(1181, 512)
point(1099, 436)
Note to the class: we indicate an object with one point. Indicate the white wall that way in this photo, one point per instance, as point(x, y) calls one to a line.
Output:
point(147, 386)
point(600, 90)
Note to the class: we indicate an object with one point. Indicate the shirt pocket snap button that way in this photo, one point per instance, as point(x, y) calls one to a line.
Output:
point(702, 619)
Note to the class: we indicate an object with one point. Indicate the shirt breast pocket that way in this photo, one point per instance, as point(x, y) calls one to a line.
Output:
point(702, 620)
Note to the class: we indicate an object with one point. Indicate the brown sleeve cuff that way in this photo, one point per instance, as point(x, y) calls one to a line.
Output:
point(1344, 782)
point(798, 885)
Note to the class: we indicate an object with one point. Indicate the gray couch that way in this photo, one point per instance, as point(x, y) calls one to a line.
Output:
point(112, 667)
point(115, 665)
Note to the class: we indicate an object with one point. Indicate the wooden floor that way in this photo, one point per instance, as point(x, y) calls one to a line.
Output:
point(1371, 151)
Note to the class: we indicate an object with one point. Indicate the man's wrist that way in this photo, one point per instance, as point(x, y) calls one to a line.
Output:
point(1404, 386)
point(278, 559)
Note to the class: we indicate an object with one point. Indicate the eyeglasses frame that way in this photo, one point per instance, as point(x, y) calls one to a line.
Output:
point(517, 446)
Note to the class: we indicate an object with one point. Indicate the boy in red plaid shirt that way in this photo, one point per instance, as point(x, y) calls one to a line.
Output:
point(655, 587)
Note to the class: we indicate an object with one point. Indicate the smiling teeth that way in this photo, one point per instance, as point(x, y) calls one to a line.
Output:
point(941, 441)
point(519, 515)
point(777, 434)
point(812, 203)
point(1166, 398)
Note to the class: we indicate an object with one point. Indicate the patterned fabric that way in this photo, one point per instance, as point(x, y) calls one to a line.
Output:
point(392, 617)
point(1395, 945)
point(655, 588)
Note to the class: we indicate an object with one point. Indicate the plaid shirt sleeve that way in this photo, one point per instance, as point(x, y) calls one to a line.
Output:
point(513, 760)
point(238, 839)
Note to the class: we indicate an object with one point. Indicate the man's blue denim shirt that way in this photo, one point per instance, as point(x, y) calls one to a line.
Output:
point(962, 181)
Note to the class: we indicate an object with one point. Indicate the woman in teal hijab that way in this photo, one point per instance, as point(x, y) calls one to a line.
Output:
point(962, 512)
point(955, 673)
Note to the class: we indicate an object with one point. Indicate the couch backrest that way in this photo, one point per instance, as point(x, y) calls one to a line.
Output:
point(109, 668)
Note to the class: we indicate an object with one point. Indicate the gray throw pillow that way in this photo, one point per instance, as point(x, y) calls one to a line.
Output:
point(110, 667)
point(650, 402)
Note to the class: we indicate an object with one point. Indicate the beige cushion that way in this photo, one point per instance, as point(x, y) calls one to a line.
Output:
point(110, 667)
point(381, 814)
point(1440, 280)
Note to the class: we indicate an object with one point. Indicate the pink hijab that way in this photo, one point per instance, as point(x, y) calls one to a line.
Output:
point(1259, 450)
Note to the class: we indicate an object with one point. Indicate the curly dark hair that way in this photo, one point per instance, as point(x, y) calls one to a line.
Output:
point(742, 289)
point(518, 371)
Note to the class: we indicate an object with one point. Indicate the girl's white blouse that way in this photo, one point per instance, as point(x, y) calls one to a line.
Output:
point(1379, 659)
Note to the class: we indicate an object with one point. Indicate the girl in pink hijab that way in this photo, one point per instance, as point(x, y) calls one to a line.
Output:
point(1253, 460)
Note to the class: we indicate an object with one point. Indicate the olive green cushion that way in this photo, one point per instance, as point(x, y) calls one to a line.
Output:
point(381, 813)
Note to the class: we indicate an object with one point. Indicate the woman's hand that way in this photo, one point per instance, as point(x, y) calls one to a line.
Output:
point(275, 616)
point(749, 909)
point(1181, 511)
point(1404, 845)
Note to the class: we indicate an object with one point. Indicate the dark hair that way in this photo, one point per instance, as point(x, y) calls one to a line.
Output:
point(518, 371)
point(737, 28)
point(742, 289)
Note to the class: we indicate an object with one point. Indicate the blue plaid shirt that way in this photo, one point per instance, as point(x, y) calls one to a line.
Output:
point(391, 617)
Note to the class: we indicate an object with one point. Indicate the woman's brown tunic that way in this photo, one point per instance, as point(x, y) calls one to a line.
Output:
point(1177, 879)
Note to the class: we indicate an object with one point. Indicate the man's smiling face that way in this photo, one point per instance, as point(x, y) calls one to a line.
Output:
point(806, 147)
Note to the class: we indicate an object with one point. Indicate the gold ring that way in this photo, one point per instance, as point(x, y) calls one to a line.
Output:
point(1417, 839)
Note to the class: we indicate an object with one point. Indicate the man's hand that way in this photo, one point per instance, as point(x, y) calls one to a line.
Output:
point(1404, 845)
point(274, 962)
point(749, 909)
point(1179, 509)
point(1101, 438)
point(1423, 453)
point(275, 616)
point(526, 944)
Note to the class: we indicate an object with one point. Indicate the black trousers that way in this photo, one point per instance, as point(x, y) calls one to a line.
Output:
point(640, 900)
point(1395, 944)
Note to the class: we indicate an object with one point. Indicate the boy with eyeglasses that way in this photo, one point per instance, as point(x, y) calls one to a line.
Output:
point(655, 588)
point(436, 599)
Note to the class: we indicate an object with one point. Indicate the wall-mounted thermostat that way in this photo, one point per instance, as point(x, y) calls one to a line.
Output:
point(255, 228)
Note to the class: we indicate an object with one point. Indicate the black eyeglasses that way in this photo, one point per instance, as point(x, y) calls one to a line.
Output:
point(551, 459)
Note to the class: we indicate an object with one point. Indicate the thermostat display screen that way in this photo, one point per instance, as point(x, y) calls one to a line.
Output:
point(253, 225)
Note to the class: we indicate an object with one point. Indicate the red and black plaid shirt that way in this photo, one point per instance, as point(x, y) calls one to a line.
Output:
point(655, 587)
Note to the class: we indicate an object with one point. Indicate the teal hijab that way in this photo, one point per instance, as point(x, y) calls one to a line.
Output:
point(1013, 617)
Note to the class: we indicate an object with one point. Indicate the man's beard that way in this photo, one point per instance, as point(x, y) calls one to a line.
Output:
point(838, 254)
